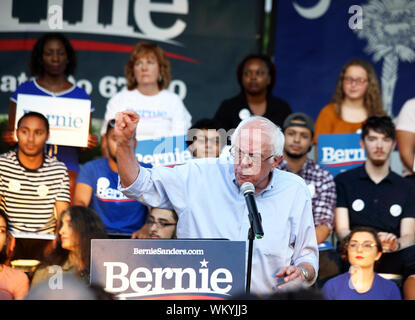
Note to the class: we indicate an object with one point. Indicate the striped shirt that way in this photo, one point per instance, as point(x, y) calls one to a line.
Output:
point(28, 196)
point(321, 184)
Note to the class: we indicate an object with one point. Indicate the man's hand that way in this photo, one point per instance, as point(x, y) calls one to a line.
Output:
point(143, 233)
point(9, 137)
point(125, 126)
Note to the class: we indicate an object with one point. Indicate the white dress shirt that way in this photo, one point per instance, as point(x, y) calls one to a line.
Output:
point(206, 197)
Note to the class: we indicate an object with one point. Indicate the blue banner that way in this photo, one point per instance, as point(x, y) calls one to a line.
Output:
point(169, 269)
point(340, 152)
point(315, 38)
point(163, 152)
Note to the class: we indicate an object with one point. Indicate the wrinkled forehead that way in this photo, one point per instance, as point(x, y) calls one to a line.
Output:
point(253, 139)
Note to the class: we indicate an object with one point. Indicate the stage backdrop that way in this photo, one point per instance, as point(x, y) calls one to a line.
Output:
point(314, 38)
point(203, 39)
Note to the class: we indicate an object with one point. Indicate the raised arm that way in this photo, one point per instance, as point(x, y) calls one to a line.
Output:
point(125, 127)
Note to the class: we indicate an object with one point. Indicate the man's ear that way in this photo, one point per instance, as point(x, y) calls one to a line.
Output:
point(277, 161)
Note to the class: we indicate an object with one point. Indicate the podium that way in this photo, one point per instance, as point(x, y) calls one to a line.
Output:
point(169, 269)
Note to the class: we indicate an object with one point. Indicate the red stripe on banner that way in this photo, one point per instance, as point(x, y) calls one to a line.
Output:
point(83, 45)
point(183, 297)
point(343, 164)
point(114, 200)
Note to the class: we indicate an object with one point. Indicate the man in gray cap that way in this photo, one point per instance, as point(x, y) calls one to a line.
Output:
point(298, 131)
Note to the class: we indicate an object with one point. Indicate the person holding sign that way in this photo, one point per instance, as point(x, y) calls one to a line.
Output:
point(372, 195)
point(162, 112)
point(206, 195)
point(356, 97)
point(52, 60)
point(34, 188)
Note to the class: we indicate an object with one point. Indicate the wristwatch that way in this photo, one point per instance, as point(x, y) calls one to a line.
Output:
point(305, 272)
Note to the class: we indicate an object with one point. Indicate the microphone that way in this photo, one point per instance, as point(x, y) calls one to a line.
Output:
point(248, 189)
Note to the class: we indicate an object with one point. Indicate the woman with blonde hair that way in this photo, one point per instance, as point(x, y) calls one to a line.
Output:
point(357, 96)
point(162, 113)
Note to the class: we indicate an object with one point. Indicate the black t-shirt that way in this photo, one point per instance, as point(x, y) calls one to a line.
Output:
point(381, 206)
point(232, 111)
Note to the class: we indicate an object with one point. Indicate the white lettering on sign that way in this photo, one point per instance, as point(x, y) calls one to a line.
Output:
point(142, 13)
point(333, 156)
point(144, 280)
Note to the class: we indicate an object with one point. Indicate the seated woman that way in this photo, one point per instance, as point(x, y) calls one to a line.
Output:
point(76, 227)
point(356, 97)
point(362, 248)
point(14, 284)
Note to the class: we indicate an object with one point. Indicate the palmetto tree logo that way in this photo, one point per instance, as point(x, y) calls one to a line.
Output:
point(389, 28)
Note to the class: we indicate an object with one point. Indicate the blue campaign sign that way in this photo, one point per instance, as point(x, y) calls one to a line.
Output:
point(169, 269)
point(163, 152)
point(340, 152)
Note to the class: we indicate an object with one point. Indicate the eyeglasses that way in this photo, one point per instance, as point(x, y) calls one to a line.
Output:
point(160, 224)
point(357, 81)
point(366, 246)
point(239, 155)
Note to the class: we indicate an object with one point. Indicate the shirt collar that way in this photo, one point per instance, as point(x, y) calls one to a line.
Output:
point(364, 175)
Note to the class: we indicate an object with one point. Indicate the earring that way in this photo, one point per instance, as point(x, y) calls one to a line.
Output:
point(160, 78)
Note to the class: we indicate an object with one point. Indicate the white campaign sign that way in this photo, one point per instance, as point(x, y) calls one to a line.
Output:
point(68, 117)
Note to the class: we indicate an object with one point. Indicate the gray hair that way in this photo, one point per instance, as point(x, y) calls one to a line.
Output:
point(268, 128)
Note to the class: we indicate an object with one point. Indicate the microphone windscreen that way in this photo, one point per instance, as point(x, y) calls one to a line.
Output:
point(247, 187)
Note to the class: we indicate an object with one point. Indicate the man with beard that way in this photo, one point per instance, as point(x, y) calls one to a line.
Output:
point(34, 188)
point(96, 187)
point(256, 76)
point(374, 196)
point(298, 133)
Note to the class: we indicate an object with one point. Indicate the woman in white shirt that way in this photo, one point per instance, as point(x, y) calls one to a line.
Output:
point(162, 113)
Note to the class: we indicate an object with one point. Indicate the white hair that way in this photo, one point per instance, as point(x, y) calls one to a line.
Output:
point(268, 128)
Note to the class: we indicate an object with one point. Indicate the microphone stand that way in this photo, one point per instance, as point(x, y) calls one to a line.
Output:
point(251, 237)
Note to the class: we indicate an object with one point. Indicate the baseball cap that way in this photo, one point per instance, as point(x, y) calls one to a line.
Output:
point(289, 121)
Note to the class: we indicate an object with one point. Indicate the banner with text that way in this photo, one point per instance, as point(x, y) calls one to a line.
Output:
point(67, 117)
point(340, 152)
point(169, 269)
point(204, 41)
point(163, 152)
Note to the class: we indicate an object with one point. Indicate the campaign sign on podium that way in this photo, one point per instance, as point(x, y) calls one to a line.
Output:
point(340, 152)
point(68, 118)
point(163, 152)
point(169, 269)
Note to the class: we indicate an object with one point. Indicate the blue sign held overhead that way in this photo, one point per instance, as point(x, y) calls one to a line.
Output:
point(340, 152)
point(163, 152)
point(169, 269)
